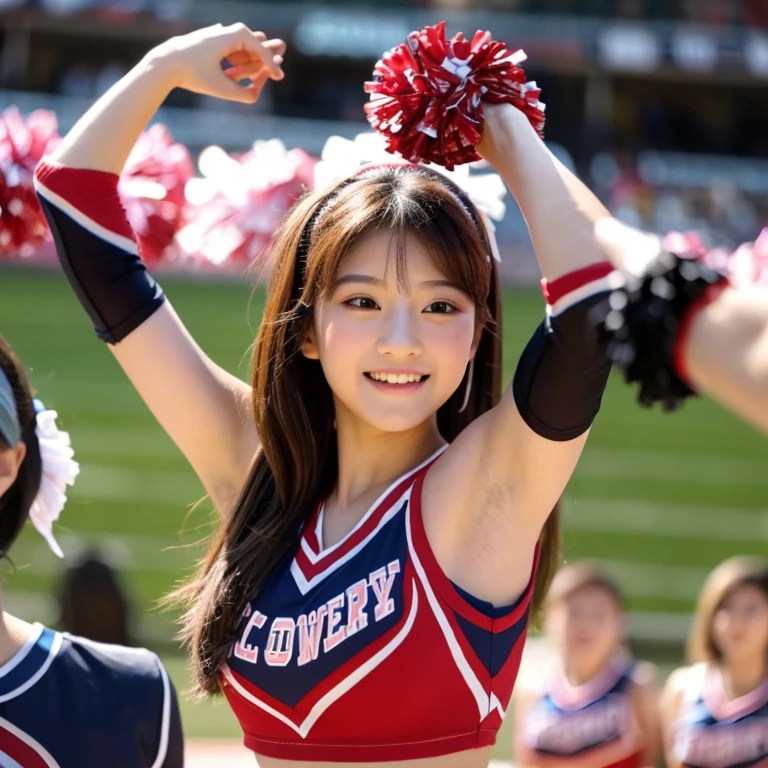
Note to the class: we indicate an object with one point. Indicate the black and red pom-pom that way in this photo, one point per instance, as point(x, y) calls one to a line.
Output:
point(640, 323)
point(427, 95)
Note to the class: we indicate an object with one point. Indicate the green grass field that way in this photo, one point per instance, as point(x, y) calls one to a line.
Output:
point(660, 498)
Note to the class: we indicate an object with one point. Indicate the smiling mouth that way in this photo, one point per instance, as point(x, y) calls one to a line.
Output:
point(396, 378)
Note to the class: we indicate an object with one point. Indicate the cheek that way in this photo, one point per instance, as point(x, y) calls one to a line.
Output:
point(338, 337)
point(8, 471)
point(759, 625)
point(452, 343)
point(720, 624)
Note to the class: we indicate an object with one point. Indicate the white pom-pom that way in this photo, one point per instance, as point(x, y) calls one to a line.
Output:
point(59, 470)
point(341, 158)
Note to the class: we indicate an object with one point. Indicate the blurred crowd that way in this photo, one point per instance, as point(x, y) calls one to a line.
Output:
point(723, 214)
point(753, 13)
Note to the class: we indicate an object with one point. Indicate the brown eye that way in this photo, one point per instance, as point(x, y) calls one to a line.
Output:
point(440, 308)
point(362, 302)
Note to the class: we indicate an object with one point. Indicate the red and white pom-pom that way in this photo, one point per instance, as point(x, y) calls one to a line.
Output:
point(23, 228)
point(427, 94)
point(23, 142)
point(684, 244)
point(233, 212)
point(151, 188)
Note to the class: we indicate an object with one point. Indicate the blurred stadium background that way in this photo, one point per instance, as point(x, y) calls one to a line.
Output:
point(659, 104)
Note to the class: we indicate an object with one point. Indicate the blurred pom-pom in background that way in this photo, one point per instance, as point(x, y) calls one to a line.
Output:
point(152, 190)
point(23, 142)
point(233, 211)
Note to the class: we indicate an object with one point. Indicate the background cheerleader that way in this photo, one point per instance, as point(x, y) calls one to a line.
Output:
point(66, 702)
point(714, 712)
point(592, 705)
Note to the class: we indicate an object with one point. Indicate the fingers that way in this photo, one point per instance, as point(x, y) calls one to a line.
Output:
point(246, 41)
point(247, 94)
point(250, 70)
point(238, 58)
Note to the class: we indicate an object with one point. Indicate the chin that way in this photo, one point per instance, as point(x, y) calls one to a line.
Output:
point(397, 422)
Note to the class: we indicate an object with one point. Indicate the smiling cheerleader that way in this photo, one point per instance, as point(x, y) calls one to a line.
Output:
point(385, 509)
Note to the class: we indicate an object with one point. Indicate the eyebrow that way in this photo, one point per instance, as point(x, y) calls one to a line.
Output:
point(371, 280)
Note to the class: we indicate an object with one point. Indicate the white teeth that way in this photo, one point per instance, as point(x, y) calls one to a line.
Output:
point(396, 378)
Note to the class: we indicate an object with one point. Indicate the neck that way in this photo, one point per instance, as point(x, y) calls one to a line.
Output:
point(743, 676)
point(578, 672)
point(370, 459)
point(13, 634)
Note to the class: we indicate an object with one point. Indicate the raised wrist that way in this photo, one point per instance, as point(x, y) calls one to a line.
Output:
point(161, 65)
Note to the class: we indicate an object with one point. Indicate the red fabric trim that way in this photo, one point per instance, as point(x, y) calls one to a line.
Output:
point(373, 753)
point(309, 531)
point(92, 193)
point(686, 322)
point(442, 585)
point(555, 290)
point(24, 754)
point(310, 571)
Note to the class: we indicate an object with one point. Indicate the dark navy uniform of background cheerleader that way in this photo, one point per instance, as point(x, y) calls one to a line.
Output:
point(66, 702)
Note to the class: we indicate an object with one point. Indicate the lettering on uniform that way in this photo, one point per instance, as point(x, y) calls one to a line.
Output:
point(243, 649)
point(334, 636)
point(731, 744)
point(326, 623)
point(571, 732)
point(310, 631)
point(280, 642)
point(381, 583)
point(357, 599)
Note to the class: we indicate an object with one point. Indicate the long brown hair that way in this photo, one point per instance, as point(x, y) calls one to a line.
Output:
point(16, 502)
point(297, 465)
point(728, 576)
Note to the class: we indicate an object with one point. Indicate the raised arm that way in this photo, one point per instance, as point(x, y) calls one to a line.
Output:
point(204, 409)
point(497, 484)
point(713, 340)
point(527, 447)
point(725, 353)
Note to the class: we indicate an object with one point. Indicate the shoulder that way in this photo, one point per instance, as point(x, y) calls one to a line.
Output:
point(684, 678)
point(677, 685)
point(133, 671)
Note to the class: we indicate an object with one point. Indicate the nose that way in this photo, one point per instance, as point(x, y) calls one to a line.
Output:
point(399, 336)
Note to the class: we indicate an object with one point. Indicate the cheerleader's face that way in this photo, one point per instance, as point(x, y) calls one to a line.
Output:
point(10, 462)
point(740, 624)
point(589, 624)
point(392, 354)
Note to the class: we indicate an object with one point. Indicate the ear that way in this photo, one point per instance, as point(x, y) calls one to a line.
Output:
point(309, 344)
point(20, 452)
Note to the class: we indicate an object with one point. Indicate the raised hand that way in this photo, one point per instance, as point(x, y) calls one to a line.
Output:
point(196, 60)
